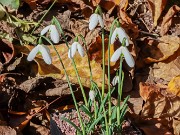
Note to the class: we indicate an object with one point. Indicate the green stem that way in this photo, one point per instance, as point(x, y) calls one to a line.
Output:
point(77, 74)
point(58, 25)
point(109, 75)
point(70, 86)
point(43, 17)
point(103, 63)
point(103, 81)
point(119, 90)
point(89, 64)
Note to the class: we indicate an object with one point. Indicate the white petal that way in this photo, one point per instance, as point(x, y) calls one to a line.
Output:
point(128, 57)
point(92, 95)
point(45, 54)
point(33, 53)
point(113, 38)
point(45, 30)
point(121, 34)
point(93, 21)
point(101, 21)
point(116, 54)
point(54, 34)
point(72, 50)
point(69, 53)
point(80, 50)
point(115, 80)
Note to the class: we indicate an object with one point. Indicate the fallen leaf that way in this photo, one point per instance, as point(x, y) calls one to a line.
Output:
point(167, 70)
point(174, 86)
point(167, 19)
point(160, 51)
point(157, 6)
point(7, 130)
point(176, 126)
point(6, 51)
point(159, 104)
point(56, 70)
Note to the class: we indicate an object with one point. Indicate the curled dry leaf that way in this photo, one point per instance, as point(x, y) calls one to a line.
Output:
point(160, 51)
point(157, 6)
point(167, 70)
point(158, 104)
point(7, 130)
point(56, 70)
point(6, 51)
point(167, 20)
point(174, 86)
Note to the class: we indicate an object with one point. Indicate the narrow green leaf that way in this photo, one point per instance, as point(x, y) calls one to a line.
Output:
point(94, 123)
point(86, 110)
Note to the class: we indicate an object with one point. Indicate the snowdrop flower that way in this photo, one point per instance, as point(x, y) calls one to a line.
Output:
point(115, 80)
point(72, 50)
point(120, 32)
point(127, 56)
point(53, 32)
point(93, 21)
point(43, 50)
point(92, 94)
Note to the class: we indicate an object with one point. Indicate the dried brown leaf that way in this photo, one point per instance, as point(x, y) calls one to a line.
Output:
point(174, 86)
point(167, 19)
point(157, 6)
point(159, 104)
point(160, 51)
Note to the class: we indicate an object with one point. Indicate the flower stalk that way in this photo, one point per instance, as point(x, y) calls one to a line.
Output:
point(70, 86)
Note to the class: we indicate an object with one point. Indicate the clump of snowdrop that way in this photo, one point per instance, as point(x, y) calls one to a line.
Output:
point(42, 49)
point(95, 18)
point(92, 94)
point(75, 47)
point(126, 54)
point(54, 35)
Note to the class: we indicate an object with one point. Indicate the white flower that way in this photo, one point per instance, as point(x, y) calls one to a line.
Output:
point(72, 50)
point(43, 50)
point(93, 21)
point(53, 33)
point(115, 80)
point(127, 56)
point(92, 94)
point(120, 32)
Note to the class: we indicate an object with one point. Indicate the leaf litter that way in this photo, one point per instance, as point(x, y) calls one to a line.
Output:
point(154, 81)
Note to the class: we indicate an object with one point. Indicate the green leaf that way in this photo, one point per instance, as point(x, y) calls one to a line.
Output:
point(71, 123)
point(124, 102)
point(94, 123)
point(86, 110)
point(12, 3)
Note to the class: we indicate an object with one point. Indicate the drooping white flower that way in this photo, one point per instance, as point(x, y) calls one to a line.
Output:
point(92, 94)
point(53, 32)
point(75, 47)
point(120, 32)
point(115, 80)
point(127, 56)
point(43, 50)
point(93, 21)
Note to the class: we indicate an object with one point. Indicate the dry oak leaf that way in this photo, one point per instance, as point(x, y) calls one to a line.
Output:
point(167, 20)
point(174, 86)
point(56, 70)
point(166, 47)
point(158, 104)
point(167, 70)
point(157, 6)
